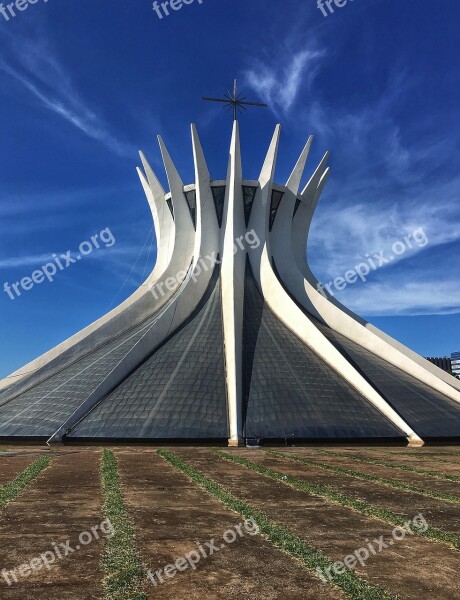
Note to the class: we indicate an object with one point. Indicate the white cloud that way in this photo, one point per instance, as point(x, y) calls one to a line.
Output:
point(38, 70)
point(400, 297)
point(51, 203)
point(411, 284)
point(119, 254)
point(366, 137)
point(343, 234)
point(279, 80)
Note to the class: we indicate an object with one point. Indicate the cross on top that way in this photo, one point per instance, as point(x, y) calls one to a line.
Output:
point(234, 101)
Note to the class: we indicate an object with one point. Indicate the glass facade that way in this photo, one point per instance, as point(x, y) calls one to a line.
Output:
point(290, 392)
point(178, 393)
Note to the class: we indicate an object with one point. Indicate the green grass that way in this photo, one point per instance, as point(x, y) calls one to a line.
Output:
point(353, 587)
point(417, 456)
point(382, 463)
point(324, 491)
point(124, 571)
point(10, 491)
point(443, 453)
point(425, 454)
point(374, 478)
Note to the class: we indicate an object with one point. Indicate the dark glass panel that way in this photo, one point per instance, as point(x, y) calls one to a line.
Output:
point(249, 194)
point(297, 204)
point(191, 201)
point(219, 200)
point(170, 206)
point(276, 199)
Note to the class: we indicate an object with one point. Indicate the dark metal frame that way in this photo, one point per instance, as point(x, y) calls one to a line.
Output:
point(235, 102)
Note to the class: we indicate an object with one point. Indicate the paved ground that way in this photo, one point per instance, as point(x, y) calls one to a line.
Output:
point(64, 501)
point(171, 516)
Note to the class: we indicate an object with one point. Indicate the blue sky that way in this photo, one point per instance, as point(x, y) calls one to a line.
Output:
point(86, 84)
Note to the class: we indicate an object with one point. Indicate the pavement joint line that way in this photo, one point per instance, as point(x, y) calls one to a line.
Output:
point(11, 490)
point(383, 463)
point(323, 491)
point(451, 498)
point(353, 586)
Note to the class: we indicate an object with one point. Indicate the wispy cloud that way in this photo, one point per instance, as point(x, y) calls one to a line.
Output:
point(36, 68)
point(404, 298)
point(287, 79)
point(17, 204)
point(279, 78)
point(386, 183)
point(343, 234)
point(114, 253)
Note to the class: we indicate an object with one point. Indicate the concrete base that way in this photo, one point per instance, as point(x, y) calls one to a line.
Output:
point(415, 443)
point(236, 443)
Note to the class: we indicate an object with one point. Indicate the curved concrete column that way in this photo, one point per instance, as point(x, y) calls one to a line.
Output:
point(232, 284)
point(283, 256)
point(293, 183)
point(149, 298)
point(183, 304)
point(287, 310)
point(192, 253)
point(165, 229)
point(185, 230)
point(301, 222)
point(307, 291)
point(419, 360)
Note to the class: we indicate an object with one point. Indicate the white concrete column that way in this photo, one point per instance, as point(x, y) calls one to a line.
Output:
point(174, 253)
point(181, 305)
point(165, 230)
point(287, 310)
point(293, 183)
point(232, 278)
point(305, 288)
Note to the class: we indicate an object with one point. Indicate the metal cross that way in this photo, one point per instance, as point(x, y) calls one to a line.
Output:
point(235, 102)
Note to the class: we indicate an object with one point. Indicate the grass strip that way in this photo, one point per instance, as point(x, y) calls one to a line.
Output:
point(324, 491)
point(382, 463)
point(427, 454)
point(124, 571)
point(10, 491)
point(414, 455)
point(366, 477)
point(443, 453)
point(312, 559)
